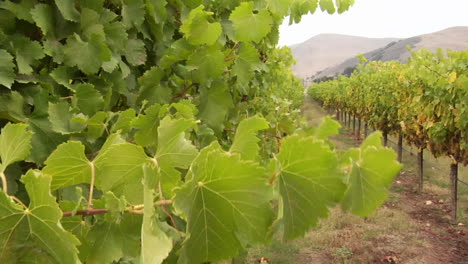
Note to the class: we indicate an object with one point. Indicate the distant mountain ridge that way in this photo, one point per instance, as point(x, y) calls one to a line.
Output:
point(326, 50)
point(455, 38)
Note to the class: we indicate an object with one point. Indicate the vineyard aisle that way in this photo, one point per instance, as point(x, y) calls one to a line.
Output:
point(409, 228)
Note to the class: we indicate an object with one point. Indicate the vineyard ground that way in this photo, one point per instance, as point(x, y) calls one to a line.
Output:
point(409, 228)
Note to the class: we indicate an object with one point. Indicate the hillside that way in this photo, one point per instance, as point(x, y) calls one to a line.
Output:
point(327, 50)
point(455, 38)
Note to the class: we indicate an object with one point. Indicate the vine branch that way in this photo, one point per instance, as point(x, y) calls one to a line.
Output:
point(4, 182)
point(136, 209)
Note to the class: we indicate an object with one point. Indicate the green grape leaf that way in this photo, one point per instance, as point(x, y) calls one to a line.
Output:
point(88, 99)
point(43, 15)
point(116, 36)
point(12, 106)
point(198, 30)
point(92, 53)
point(309, 182)
point(133, 13)
point(124, 121)
point(7, 69)
point(68, 10)
point(226, 202)
point(108, 242)
point(64, 75)
point(250, 26)
point(327, 128)
point(68, 165)
point(279, 7)
point(61, 119)
point(147, 125)
point(15, 144)
point(96, 126)
point(90, 23)
point(44, 140)
point(246, 63)
point(27, 52)
point(173, 146)
point(179, 50)
point(246, 141)
point(21, 10)
point(215, 104)
point(369, 178)
point(118, 169)
point(54, 49)
point(36, 227)
point(135, 52)
point(344, 5)
point(327, 5)
point(152, 89)
point(155, 244)
point(208, 63)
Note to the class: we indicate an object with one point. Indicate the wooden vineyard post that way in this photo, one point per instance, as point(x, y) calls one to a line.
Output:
point(400, 147)
point(358, 132)
point(420, 169)
point(454, 188)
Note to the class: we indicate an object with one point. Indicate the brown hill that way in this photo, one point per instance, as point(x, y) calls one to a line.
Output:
point(455, 38)
point(327, 50)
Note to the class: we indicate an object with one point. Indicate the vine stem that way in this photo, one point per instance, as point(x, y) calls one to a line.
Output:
point(4, 182)
point(91, 187)
point(136, 209)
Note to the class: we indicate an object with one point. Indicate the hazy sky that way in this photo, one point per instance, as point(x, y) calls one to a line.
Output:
point(380, 18)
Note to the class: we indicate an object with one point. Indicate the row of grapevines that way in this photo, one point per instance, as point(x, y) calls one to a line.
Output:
point(130, 133)
point(423, 100)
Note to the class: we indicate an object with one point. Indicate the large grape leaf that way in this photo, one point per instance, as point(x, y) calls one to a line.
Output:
point(155, 244)
point(198, 30)
point(61, 119)
point(68, 10)
point(15, 144)
point(173, 147)
point(44, 140)
point(35, 231)
point(44, 18)
point(152, 89)
point(135, 52)
point(246, 63)
point(309, 182)
point(20, 10)
point(214, 105)
point(68, 165)
point(88, 99)
point(133, 13)
point(147, 125)
point(208, 63)
point(372, 172)
point(27, 53)
point(226, 202)
point(118, 169)
point(246, 141)
point(92, 53)
point(250, 26)
point(108, 242)
point(7, 72)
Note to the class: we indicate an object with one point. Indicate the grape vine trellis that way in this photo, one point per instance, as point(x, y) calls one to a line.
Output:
point(130, 133)
point(422, 101)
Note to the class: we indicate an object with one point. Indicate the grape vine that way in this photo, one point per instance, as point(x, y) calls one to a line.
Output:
point(153, 131)
point(423, 101)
